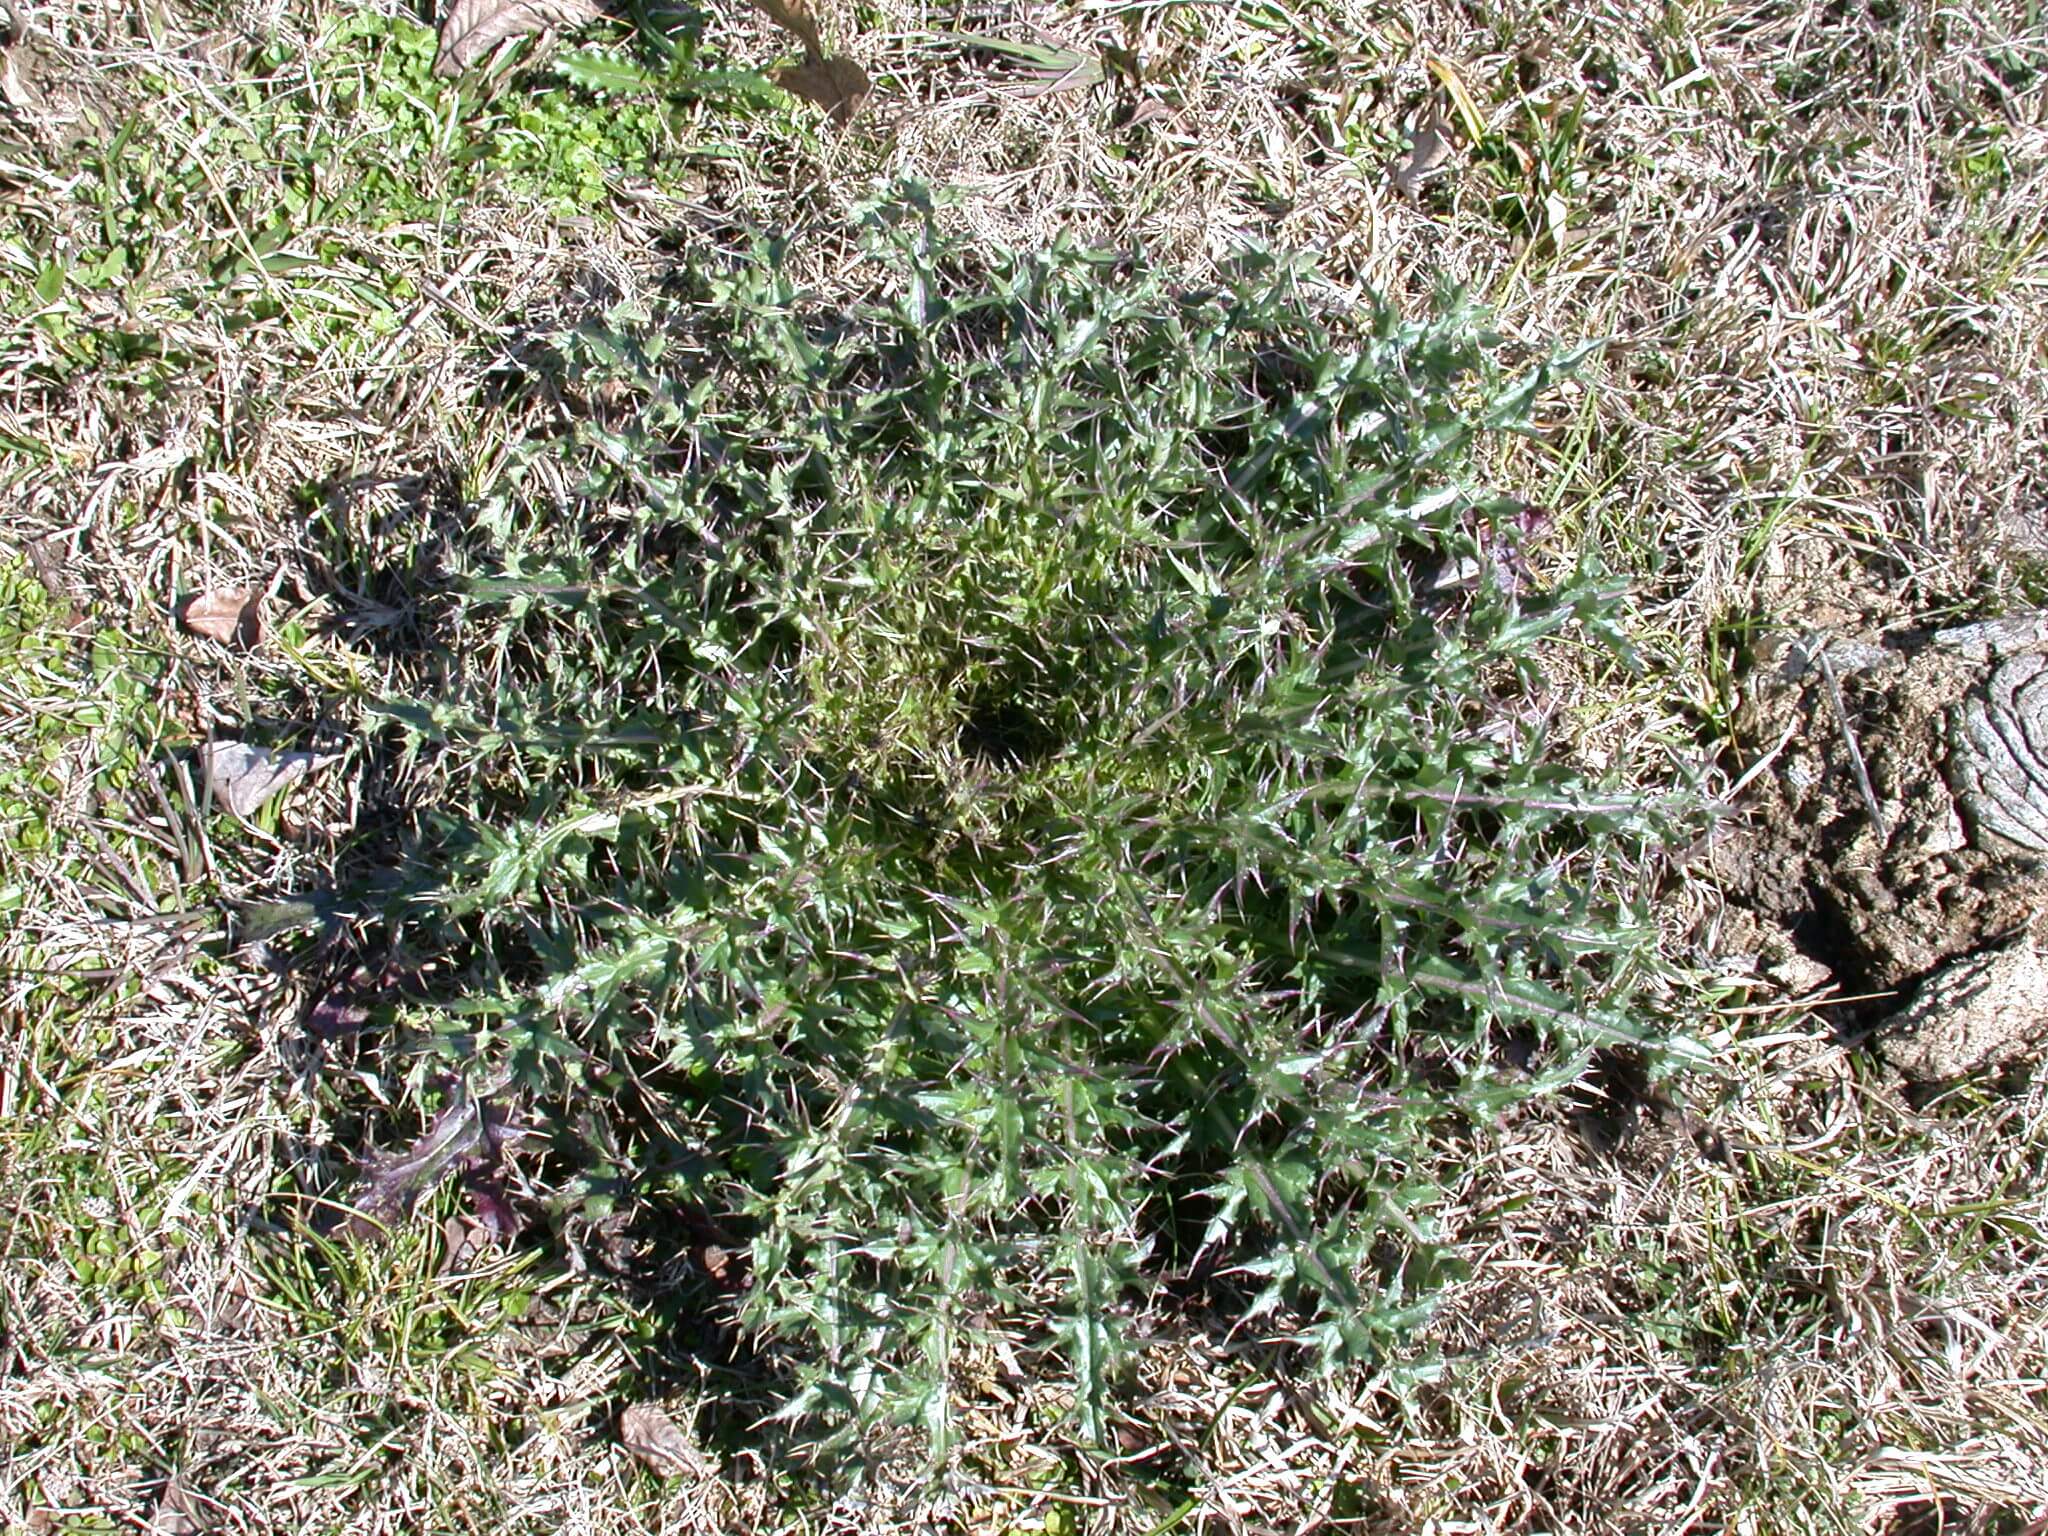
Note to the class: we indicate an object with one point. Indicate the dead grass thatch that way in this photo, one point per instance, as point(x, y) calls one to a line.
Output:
point(1815, 234)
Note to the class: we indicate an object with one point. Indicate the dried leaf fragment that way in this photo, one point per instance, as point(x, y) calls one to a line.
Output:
point(1426, 156)
point(243, 777)
point(229, 615)
point(658, 1442)
point(472, 28)
point(1461, 98)
point(836, 83)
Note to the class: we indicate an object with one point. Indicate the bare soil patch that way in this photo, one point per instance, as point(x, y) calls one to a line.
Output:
point(1881, 886)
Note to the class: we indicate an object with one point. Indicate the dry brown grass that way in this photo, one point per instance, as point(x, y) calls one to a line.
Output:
point(1819, 236)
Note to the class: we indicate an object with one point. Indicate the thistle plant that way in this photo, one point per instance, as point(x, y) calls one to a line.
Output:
point(1019, 794)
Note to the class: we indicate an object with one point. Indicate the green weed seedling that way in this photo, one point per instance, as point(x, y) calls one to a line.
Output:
point(1019, 798)
point(298, 187)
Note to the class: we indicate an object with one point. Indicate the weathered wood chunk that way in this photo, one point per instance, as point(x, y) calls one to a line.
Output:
point(1986, 1010)
point(1998, 754)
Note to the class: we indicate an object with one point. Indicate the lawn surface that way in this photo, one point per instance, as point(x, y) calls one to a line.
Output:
point(266, 278)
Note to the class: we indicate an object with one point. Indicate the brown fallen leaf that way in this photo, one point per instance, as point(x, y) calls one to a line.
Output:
point(46, 559)
point(227, 614)
point(243, 777)
point(659, 1442)
point(18, 88)
point(178, 1512)
point(832, 81)
point(472, 28)
point(464, 1243)
point(233, 1307)
point(836, 83)
point(1428, 152)
point(1150, 110)
point(792, 17)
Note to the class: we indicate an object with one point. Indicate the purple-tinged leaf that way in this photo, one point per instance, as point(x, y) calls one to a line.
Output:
point(467, 1138)
point(394, 1181)
point(344, 1008)
point(489, 1202)
point(339, 1012)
